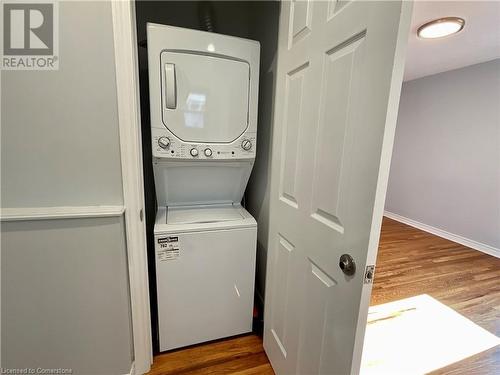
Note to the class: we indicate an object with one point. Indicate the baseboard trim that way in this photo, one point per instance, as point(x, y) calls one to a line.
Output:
point(487, 249)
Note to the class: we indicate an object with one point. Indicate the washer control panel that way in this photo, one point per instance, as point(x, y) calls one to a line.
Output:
point(165, 145)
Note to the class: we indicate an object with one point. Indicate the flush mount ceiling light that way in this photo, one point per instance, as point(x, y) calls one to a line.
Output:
point(441, 27)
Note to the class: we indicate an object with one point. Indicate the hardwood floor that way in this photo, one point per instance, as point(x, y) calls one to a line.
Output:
point(242, 355)
point(410, 262)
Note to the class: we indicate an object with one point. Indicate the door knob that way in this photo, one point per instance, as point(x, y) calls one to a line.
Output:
point(347, 265)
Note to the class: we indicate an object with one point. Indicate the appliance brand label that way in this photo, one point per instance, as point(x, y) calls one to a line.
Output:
point(167, 248)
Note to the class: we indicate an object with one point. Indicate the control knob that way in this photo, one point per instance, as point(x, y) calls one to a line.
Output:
point(246, 144)
point(194, 152)
point(164, 142)
point(208, 152)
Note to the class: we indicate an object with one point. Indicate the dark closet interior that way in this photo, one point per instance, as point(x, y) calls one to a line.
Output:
point(257, 20)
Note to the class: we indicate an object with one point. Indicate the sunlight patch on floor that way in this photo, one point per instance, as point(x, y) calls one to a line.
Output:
point(417, 335)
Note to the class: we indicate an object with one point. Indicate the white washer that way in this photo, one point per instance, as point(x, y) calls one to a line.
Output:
point(205, 267)
point(203, 97)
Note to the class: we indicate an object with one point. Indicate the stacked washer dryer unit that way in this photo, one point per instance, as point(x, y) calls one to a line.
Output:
point(203, 94)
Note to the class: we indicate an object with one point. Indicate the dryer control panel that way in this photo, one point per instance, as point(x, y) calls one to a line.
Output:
point(165, 145)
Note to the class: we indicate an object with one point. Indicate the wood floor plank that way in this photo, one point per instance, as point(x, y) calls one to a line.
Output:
point(234, 366)
point(264, 369)
point(410, 262)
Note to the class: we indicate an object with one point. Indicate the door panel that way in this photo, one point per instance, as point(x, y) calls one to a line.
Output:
point(285, 249)
point(292, 145)
point(319, 286)
point(331, 150)
point(335, 6)
point(287, 313)
point(339, 65)
point(300, 13)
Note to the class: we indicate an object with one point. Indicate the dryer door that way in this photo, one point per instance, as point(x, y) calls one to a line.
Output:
point(204, 97)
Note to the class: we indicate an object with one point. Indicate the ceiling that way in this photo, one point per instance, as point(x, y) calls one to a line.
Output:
point(479, 41)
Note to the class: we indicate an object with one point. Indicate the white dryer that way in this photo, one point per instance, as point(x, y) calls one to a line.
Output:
point(203, 97)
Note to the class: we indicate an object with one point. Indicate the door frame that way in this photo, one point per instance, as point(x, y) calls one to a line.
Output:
point(128, 101)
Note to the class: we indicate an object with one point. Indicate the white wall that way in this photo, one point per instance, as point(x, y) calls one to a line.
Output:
point(65, 300)
point(445, 170)
point(57, 126)
point(65, 296)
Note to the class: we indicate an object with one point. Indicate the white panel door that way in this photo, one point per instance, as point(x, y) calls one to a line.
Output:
point(340, 67)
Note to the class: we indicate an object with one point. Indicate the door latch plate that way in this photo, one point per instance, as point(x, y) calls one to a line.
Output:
point(369, 273)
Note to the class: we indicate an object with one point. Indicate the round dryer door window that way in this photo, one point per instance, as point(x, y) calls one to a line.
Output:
point(204, 98)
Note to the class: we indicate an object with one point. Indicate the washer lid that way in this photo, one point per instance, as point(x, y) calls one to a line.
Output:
point(202, 214)
point(205, 98)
